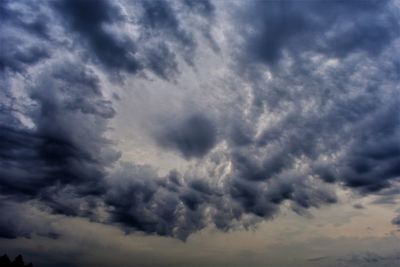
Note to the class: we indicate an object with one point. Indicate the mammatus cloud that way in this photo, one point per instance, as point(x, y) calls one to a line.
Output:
point(138, 199)
point(322, 110)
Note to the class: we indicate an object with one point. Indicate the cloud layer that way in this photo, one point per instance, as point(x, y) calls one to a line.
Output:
point(313, 93)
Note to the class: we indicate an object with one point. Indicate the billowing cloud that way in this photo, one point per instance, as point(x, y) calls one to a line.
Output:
point(90, 23)
point(24, 39)
point(315, 108)
point(302, 60)
point(65, 146)
point(138, 199)
point(272, 29)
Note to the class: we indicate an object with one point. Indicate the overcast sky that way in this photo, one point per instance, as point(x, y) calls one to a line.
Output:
point(198, 133)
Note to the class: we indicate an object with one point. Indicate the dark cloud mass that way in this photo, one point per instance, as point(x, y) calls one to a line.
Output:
point(336, 28)
point(193, 137)
point(360, 119)
point(24, 37)
point(18, 220)
point(140, 200)
point(323, 112)
point(89, 19)
point(66, 147)
point(98, 24)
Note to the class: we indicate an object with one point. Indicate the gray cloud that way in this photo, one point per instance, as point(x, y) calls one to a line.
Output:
point(140, 200)
point(61, 160)
point(313, 110)
point(19, 220)
point(89, 23)
point(24, 36)
point(334, 28)
point(66, 147)
point(193, 137)
point(323, 112)
point(161, 32)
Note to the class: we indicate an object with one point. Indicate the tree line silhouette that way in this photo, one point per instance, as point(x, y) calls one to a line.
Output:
point(17, 262)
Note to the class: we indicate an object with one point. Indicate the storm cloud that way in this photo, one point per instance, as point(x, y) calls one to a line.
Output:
point(193, 137)
point(315, 102)
point(66, 147)
point(336, 28)
point(90, 24)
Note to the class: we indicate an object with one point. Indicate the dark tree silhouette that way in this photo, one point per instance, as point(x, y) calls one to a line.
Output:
point(5, 261)
point(18, 262)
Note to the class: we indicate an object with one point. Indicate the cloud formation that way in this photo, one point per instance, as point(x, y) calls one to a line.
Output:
point(272, 29)
point(321, 112)
point(193, 137)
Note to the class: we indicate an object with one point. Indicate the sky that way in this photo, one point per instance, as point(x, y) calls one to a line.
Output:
point(197, 133)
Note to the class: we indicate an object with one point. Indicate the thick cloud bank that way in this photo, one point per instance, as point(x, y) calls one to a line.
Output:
point(316, 104)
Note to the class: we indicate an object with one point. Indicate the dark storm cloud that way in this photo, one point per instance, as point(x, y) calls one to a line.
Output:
point(159, 16)
point(138, 199)
point(332, 114)
point(336, 28)
point(27, 16)
point(100, 24)
point(375, 156)
point(11, 223)
point(19, 221)
point(263, 198)
point(161, 61)
point(96, 30)
point(16, 57)
point(61, 160)
point(372, 155)
point(177, 206)
point(66, 146)
point(250, 168)
point(88, 19)
point(165, 31)
point(344, 130)
point(24, 36)
point(251, 198)
point(194, 136)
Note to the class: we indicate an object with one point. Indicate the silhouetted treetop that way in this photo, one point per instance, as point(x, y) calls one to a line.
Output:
point(18, 262)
